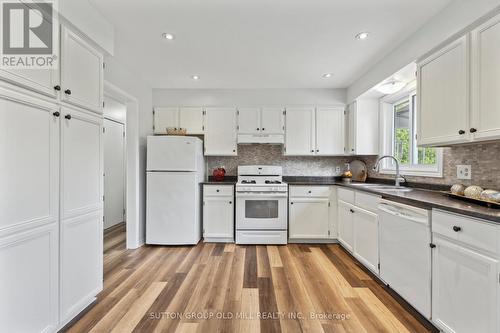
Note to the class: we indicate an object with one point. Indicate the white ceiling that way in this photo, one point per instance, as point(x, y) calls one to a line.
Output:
point(259, 43)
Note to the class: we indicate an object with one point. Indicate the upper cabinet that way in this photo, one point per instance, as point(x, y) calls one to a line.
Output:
point(314, 131)
point(486, 81)
point(362, 127)
point(260, 125)
point(81, 72)
point(330, 131)
point(44, 81)
point(443, 91)
point(190, 118)
point(299, 126)
point(220, 131)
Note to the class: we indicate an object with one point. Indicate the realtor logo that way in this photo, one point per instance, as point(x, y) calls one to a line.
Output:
point(29, 31)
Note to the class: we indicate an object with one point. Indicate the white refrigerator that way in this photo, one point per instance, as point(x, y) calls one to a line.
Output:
point(175, 168)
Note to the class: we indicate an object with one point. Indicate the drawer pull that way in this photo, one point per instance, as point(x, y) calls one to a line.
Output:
point(456, 229)
point(309, 192)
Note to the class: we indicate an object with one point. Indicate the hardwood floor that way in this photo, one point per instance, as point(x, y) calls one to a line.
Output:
point(231, 288)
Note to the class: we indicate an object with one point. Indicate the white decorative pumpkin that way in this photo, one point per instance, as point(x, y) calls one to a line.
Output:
point(458, 189)
point(473, 192)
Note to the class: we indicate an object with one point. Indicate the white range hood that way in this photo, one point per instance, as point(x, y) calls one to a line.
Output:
point(275, 139)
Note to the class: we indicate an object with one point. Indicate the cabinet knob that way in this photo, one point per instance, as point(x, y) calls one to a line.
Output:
point(309, 192)
point(312, 150)
point(258, 129)
point(456, 229)
point(234, 150)
point(217, 191)
point(68, 116)
point(473, 130)
point(57, 88)
point(351, 210)
point(317, 150)
point(67, 92)
point(263, 129)
point(291, 203)
point(56, 114)
point(461, 132)
point(230, 202)
point(432, 245)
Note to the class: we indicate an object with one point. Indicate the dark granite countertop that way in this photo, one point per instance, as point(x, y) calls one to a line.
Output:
point(428, 197)
point(228, 180)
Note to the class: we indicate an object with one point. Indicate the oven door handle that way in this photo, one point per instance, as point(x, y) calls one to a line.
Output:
point(260, 195)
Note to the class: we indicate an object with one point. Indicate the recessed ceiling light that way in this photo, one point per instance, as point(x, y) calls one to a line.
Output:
point(362, 35)
point(327, 75)
point(167, 36)
point(195, 77)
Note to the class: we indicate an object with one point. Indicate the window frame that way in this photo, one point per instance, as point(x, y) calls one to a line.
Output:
point(387, 137)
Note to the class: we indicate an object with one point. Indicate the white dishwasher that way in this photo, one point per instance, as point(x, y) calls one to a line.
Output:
point(405, 253)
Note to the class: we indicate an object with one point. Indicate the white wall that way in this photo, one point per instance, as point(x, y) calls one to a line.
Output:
point(453, 19)
point(139, 125)
point(247, 97)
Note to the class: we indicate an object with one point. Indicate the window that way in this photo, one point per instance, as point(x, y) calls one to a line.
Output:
point(400, 139)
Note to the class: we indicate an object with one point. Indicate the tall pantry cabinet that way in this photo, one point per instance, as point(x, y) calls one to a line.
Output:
point(51, 193)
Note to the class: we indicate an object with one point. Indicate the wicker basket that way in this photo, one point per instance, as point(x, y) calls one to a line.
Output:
point(176, 131)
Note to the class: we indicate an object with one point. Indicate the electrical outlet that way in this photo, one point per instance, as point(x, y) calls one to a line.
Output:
point(337, 170)
point(464, 172)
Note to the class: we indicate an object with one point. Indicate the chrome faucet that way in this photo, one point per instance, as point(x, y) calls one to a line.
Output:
point(398, 175)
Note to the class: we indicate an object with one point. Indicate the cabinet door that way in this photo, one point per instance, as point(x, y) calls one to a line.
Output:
point(191, 118)
point(81, 72)
point(29, 264)
point(29, 163)
point(486, 80)
point(220, 132)
point(443, 96)
point(465, 289)
point(81, 256)
point(218, 218)
point(249, 121)
point(299, 129)
point(272, 120)
point(165, 117)
point(345, 223)
point(366, 238)
point(329, 131)
point(308, 218)
point(40, 80)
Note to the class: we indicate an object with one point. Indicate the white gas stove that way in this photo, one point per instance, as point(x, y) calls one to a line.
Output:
point(261, 205)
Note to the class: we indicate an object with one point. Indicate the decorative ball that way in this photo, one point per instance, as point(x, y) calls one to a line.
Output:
point(458, 189)
point(489, 195)
point(473, 192)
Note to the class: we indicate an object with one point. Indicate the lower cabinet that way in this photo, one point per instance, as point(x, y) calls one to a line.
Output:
point(309, 218)
point(218, 213)
point(346, 224)
point(365, 234)
point(29, 263)
point(465, 289)
point(81, 263)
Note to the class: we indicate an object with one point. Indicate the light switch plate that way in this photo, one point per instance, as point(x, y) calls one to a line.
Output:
point(464, 171)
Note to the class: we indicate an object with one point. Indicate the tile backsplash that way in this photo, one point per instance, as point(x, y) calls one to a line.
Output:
point(484, 159)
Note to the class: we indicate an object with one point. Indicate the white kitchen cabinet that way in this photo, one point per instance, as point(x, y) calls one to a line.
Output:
point(81, 210)
point(81, 72)
point(191, 118)
point(164, 117)
point(465, 289)
point(346, 224)
point(443, 95)
point(220, 131)
point(218, 213)
point(299, 131)
point(365, 247)
point(44, 81)
point(485, 83)
point(330, 135)
point(29, 195)
point(249, 120)
point(309, 218)
point(272, 120)
point(29, 263)
point(362, 127)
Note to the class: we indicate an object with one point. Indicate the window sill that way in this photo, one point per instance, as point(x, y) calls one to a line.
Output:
point(414, 172)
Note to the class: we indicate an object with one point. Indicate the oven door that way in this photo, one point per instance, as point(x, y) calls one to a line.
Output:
point(257, 211)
